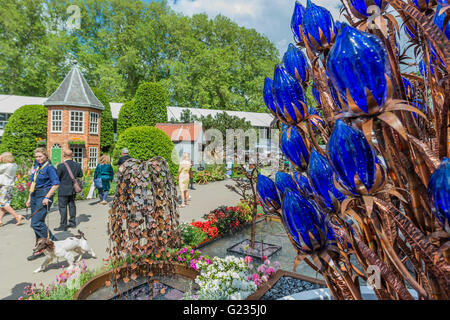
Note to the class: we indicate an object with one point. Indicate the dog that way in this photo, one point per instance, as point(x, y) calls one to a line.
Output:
point(64, 249)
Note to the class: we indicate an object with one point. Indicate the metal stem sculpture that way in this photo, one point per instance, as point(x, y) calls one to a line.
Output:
point(143, 221)
point(381, 191)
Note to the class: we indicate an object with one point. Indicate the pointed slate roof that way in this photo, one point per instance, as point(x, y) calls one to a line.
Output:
point(74, 91)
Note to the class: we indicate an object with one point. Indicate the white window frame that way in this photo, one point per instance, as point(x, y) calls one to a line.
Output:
point(82, 121)
point(75, 155)
point(54, 121)
point(92, 165)
point(93, 124)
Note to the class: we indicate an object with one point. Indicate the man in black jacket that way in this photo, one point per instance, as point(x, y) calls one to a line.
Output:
point(66, 192)
point(125, 156)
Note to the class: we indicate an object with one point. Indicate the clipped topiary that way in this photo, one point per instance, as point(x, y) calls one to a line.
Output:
point(146, 142)
point(106, 122)
point(150, 105)
point(124, 121)
point(25, 126)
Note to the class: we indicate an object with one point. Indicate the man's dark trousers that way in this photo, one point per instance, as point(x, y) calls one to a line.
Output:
point(64, 202)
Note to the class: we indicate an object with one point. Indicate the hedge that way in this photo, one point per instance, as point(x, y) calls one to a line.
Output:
point(25, 126)
point(106, 122)
point(150, 105)
point(124, 120)
point(146, 142)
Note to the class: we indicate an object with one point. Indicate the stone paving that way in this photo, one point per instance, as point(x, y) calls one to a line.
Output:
point(16, 242)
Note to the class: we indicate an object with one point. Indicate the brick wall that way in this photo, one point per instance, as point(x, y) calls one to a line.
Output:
point(62, 138)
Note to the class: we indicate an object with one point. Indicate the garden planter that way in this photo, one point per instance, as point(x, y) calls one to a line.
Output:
point(99, 281)
point(258, 294)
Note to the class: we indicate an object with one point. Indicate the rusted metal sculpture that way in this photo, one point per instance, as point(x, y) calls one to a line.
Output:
point(143, 221)
point(380, 190)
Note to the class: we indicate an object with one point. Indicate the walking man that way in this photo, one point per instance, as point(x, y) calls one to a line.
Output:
point(66, 194)
point(125, 156)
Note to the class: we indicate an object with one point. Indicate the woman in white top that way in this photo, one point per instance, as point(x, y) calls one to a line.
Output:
point(8, 171)
point(183, 178)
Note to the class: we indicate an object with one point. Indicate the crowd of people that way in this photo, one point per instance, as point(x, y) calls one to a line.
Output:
point(45, 180)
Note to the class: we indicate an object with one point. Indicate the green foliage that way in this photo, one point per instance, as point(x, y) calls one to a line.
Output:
point(191, 235)
point(106, 122)
point(203, 62)
point(25, 126)
point(146, 142)
point(150, 105)
point(124, 120)
point(210, 174)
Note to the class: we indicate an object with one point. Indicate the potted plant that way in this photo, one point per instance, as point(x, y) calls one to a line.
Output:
point(76, 143)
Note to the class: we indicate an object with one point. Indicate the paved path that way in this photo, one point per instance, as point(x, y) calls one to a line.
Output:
point(16, 242)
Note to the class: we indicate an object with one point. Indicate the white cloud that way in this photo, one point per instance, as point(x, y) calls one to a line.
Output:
point(270, 17)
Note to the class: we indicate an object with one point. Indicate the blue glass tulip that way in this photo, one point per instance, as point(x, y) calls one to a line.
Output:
point(302, 184)
point(423, 4)
point(349, 153)
point(338, 26)
point(334, 95)
point(318, 27)
point(304, 223)
point(284, 182)
point(409, 88)
point(295, 63)
point(289, 96)
point(320, 175)
point(439, 21)
point(359, 7)
point(296, 21)
point(268, 96)
point(267, 192)
point(439, 191)
point(294, 148)
point(358, 66)
point(315, 93)
point(314, 111)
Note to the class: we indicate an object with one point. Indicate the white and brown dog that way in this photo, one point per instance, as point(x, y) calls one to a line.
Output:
point(64, 249)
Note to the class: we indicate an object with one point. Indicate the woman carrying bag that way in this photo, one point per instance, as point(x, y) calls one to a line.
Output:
point(103, 176)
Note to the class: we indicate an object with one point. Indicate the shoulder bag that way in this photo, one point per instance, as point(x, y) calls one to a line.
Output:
point(76, 182)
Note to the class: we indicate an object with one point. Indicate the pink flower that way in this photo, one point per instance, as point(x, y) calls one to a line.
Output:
point(255, 277)
point(261, 268)
point(264, 258)
point(276, 264)
point(270, 270)
point(208, 261)
point(184, 250)
point(264, 278)
point(248, 259)
point(179, 258)
point(192, 251)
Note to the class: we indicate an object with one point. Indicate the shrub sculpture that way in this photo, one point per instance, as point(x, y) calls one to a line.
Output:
point(146, 142)
point(150, 105)
point(26, 125)
point(143, 221)
point(106, 122)
point(380, 192)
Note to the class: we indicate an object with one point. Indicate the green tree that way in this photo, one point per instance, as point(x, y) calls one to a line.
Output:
point(24, 127)
point(124, 121)
point(146, 142)
point(106, 122)
point(150, 105)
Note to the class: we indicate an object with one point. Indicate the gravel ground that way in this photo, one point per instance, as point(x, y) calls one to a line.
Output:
point(286, 286)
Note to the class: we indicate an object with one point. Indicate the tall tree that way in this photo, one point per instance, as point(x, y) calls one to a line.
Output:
point(106, 122)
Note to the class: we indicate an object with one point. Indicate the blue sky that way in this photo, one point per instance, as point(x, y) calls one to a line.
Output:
point(270, 17)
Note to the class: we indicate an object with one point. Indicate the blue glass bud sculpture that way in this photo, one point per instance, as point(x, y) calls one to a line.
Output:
point(358, 67)
point(320, 176)
point(296, 21)
point(295, 63)
point(268, 96)
point(289, 96)
point(302, 184)
point(439, 191)
point(305, 224)
point(267, 192)
point(294, 147)
point(284, 182)
point(318, 27)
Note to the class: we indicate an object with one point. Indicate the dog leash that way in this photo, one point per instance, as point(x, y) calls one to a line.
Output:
point(29, 217)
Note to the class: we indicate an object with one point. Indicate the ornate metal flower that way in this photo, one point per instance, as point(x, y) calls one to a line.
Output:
point(353, 160)
point(289, 96)
point(268, 96)
point(439, 192)
point(296, 64)
point(320, 175)
point(284, 182)
point(305, 224)
point(267, 192)
point(318, 27)
point(294, 147)
point(358, 67)
point(296, 22)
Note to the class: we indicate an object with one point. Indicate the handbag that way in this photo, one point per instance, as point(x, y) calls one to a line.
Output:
point(98, 183)
point(76, 182)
